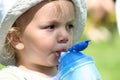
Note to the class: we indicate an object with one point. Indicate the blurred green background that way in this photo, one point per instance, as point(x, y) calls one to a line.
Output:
point(107, 58)
point(105, 51)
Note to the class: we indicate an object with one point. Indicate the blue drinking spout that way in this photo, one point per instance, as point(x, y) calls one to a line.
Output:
point(79, 46)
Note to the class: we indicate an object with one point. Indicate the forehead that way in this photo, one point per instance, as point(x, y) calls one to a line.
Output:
point(57, 8)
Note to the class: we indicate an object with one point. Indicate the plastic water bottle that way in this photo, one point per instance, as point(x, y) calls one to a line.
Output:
point(75, 65)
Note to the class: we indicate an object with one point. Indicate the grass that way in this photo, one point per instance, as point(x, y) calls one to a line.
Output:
point(1, 66)
point(107, 58)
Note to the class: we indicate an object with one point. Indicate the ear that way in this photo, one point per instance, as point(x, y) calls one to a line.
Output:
point(19, 46)
point(15, 41)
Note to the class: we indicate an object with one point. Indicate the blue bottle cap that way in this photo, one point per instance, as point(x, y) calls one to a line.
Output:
point(73, 54)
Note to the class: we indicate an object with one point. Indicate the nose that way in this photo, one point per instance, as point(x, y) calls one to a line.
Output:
point(63, 40)
point(63, 36)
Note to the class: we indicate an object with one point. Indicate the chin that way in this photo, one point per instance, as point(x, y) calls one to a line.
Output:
point(53, 64)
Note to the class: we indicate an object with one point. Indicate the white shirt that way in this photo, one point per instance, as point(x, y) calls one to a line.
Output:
point(14, 73)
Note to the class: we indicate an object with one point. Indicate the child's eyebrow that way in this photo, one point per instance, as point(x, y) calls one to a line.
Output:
point(58, 22)
point(54, 22)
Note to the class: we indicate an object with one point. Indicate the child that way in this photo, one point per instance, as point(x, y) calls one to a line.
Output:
point(37, 32)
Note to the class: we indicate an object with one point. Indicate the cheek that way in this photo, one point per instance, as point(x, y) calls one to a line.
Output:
point(48, 42)
point(70, 43)
point(40, 38)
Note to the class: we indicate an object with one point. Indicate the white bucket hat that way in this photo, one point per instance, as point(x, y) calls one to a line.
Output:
point(18, 7)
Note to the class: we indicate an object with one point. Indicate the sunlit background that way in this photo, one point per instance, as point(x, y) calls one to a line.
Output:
point(101, 29)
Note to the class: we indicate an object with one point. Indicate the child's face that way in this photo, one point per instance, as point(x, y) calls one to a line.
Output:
point(48, 33)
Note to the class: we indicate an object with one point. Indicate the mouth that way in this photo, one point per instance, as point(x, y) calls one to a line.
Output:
point(58, 53)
